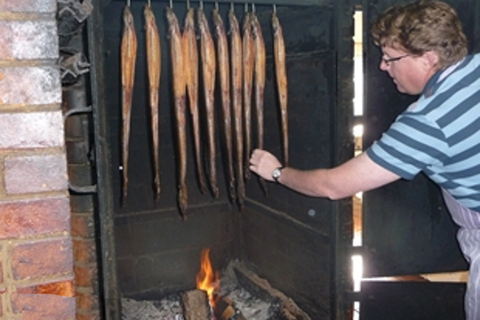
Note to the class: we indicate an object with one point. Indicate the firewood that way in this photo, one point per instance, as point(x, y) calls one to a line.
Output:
point(262, 289)
point(196, 307)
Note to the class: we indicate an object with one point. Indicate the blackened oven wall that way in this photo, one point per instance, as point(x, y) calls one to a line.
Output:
point(284, 237)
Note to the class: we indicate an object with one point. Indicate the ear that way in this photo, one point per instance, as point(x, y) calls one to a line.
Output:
point(430, 59)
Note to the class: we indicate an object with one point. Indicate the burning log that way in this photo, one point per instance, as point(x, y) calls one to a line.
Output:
point(196, 306)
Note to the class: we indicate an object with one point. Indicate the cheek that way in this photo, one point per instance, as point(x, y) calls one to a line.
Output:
point(401, 76)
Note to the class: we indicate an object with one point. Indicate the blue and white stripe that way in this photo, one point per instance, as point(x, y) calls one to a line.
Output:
point(440, 134)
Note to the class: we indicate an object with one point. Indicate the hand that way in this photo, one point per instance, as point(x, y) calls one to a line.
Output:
point(263, 163)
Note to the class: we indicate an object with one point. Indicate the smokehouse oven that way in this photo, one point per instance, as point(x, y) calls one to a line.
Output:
point(184, 231)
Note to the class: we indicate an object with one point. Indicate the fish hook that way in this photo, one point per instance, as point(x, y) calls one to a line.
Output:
point(253, 7)
point(149, 3)
point(128, 3)
point(232, 7)
point(201, 5)
point(275, 8)
point(171, 4)
point(246, 7)
point(216, 5)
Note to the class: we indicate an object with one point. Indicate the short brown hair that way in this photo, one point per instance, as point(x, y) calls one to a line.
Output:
point(422, 26)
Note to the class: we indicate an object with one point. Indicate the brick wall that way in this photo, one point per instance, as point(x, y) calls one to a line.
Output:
point(83, 222)
point(36, 252)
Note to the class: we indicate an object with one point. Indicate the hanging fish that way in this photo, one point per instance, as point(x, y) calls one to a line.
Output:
point(260, 71)
point(224, 79)
point(179, 94)
point(207, 53)
point(154, 68)
point(190, 53)
point(236, 65)
point(281, 77)
point(248, 47)
point(128, 58)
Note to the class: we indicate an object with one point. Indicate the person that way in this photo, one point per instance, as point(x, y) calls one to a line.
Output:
point(425, 53)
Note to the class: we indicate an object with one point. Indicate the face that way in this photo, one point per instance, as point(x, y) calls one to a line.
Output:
point(410, 73)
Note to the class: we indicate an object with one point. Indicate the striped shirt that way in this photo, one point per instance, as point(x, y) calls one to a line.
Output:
point(439, 134)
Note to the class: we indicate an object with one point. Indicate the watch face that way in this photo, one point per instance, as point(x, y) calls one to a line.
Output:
point(276, 173)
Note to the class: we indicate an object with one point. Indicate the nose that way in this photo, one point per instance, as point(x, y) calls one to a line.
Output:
point(383, 65)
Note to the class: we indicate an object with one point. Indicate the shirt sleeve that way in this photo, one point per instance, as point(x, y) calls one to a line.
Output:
point(410, 145)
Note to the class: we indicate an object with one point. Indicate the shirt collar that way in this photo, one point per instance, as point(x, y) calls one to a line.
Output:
point(435, 81)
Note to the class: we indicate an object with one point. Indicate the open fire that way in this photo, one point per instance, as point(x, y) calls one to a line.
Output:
point(242, 295)
point(207, 279)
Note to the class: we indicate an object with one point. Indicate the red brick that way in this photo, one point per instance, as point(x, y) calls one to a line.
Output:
point(43, 6)
point(34, 217)
point(33, 85)
point(87, 302)
point(28, 40)
point(37, 259)
point(37, 173)
point(31, 130)
point(86, 276)
point(84, 251)
point(62, 288)
point(82, 226)
point(43, 306)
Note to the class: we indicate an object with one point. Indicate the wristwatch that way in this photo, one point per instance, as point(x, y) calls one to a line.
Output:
point(277, 173)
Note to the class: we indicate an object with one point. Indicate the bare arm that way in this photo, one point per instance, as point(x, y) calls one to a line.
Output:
point(357, 174)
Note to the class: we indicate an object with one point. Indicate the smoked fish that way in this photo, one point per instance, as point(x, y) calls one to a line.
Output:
point(128, 59)
point(224, 81)
point(179, 94)
point(259, 80)
point(281, 77)
point(248, 47)
point(190, 54)
point(207, 54)
point(236, 67)
point(154, 69)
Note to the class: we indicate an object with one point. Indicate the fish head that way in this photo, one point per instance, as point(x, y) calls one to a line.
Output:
point(247, 24)
point(217, 19)
point(232, 20)
point(275, 22)
point(148, 13)
point(202, 22)
point(127, 16)
point(189, 19)
point(172, 20)
point(170, 15)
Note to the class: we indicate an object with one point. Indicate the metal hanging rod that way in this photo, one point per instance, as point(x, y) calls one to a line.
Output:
point(258, 2)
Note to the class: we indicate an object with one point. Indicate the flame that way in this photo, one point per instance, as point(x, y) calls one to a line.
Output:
point(206, 278)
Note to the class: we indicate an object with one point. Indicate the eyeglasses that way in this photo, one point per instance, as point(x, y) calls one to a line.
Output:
point(387, 61)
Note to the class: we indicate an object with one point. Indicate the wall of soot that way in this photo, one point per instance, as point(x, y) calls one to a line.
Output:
point(283, 236)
